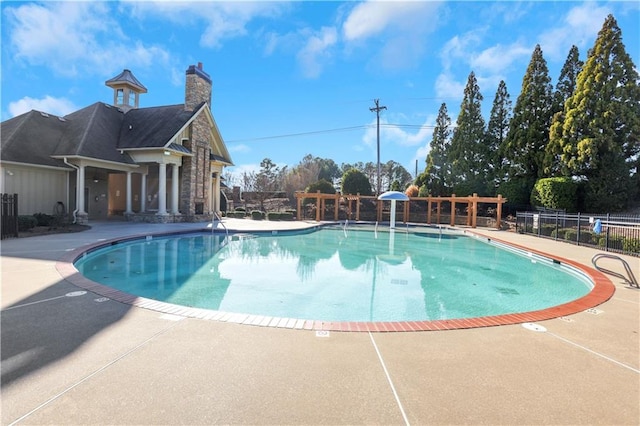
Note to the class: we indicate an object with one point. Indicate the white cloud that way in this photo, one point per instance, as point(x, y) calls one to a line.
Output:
point(56, 106)
point(74, 37)
point(459, 48)
point(580, 27)
point(222, 19)
point(401, 29)
point(371, 18)
point(239, 148)
point(497, 58)
point(448, 88)
point(395, 134)
point(316, 51)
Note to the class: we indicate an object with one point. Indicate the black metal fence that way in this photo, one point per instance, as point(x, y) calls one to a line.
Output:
point(9, 216)
point(614, 233)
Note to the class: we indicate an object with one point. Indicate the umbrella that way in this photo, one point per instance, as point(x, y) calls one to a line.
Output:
point(393, 196)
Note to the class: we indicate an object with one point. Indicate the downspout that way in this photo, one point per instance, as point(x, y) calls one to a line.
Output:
point(77, 186)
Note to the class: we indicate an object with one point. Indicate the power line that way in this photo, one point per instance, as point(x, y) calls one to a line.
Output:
point(340, 129)
point(289, 135)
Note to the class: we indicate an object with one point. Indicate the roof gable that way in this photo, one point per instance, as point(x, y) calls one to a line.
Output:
point(152, 127)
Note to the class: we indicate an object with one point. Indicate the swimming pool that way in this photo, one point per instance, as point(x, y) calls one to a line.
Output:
point(338, 275)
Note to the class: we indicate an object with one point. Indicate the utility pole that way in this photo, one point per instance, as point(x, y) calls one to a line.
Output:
point(377, 110)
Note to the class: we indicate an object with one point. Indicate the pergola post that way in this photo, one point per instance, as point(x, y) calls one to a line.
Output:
point(336, 206)
point(453, 210)
point(429, 211)
point(474, 209)
point(499, 211)
point(358, 207)
point(318, 206)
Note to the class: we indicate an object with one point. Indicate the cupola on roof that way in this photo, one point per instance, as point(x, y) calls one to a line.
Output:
point(126, 90)
point(126, 78)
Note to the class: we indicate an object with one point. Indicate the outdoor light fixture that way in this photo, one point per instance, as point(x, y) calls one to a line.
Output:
point(167, 153)
point(95, 178)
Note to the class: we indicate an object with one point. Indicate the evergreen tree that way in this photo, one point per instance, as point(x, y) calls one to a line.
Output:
point(599, 140)
point(497, 130)
point(564, 90)
point(437, 175)
point(468, 154)
point(528, 135)
point(568, 77)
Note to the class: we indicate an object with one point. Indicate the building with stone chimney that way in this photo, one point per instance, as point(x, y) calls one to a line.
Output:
point(153, 164)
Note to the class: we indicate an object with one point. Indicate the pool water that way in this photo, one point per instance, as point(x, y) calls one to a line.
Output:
point(337, 275)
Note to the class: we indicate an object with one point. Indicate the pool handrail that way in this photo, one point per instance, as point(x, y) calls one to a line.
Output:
point(631, 279)
point(219, 219)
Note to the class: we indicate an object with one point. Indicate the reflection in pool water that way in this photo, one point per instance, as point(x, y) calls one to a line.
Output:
point(336, 275)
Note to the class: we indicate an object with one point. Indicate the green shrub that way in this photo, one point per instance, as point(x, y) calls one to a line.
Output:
point(555, 193)
point(236, 214)
point(571, 235)
point(631, 245)
point(547, 229)
point(240, 209)
point(560, 233)
point(324, 186)
point(257, 215)
point(423, 191)
point(615, 242)
point(355, 182)
point(587, 237)
point(27, 222)
point(44, 219)
point(273, 216)
point(286, 216)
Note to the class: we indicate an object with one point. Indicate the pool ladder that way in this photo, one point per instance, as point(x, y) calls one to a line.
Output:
point(630, 279)
point(219, 219)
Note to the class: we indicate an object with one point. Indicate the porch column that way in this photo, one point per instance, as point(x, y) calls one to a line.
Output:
point(162, 189)
point(128, 197)
point(174, 189)
point(143, 192)
point(216, 193)
point(80, 190)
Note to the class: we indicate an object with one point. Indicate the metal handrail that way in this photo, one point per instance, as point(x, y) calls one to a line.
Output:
point(215, 216)
point(631, 280)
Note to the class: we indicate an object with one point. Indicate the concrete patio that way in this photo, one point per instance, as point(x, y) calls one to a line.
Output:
point(90, 360)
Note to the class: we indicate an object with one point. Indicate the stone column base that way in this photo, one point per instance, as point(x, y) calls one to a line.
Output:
point(82, 218)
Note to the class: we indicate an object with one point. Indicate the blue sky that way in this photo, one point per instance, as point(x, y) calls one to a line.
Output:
point(296, 78)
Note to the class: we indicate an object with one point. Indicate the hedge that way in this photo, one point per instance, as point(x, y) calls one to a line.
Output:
point(27, 222)
point(257, 215)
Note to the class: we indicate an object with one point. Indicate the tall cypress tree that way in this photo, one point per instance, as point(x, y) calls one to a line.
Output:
point(496, 134)
point(468, 154)
point(599, 139)
point(565, 88)
point(437, 175)
point(529, 128)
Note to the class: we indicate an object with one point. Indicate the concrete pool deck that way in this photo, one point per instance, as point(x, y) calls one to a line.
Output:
point(91, 360)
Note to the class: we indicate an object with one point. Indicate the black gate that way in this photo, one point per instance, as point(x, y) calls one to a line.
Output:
point(9, 215)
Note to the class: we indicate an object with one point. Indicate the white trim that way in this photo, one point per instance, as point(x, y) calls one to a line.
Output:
point(40, 166)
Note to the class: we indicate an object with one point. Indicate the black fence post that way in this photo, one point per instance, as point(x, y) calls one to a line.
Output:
point(578, 233)
point(606, 235)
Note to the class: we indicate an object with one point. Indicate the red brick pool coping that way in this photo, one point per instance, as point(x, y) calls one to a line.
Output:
point(602, 291)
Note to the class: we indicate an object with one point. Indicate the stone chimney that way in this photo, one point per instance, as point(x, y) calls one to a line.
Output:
point(197, 88)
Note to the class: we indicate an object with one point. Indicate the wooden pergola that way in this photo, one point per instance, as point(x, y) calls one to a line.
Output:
point(471, 202)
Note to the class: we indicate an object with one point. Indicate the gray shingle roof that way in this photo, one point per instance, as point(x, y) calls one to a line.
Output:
point(152, 127)
point(31, 137)
point(98, 131)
